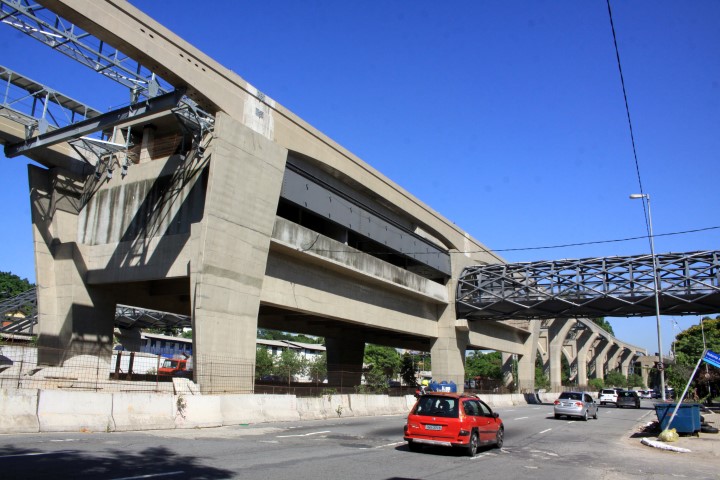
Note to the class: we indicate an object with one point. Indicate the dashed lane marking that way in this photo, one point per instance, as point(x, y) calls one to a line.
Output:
point(303, 434)
point(546, 430)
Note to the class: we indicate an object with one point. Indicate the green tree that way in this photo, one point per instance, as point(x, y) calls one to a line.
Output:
point(487, 365)
point(596, 383)
point(408, 372)
point(12, 285)
point(263, 362)
point(289, 364)
point(635, 380)
point(317, 368)
point(616, 379)
point(541, 380)
point(383, 359)
point(688, 349)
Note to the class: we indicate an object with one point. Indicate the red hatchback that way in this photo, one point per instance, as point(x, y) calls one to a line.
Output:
point(453, 420)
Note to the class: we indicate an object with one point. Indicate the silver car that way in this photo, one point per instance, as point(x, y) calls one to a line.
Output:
point(576, 404)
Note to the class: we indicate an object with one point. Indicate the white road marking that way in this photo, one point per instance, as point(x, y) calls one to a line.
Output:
point(269, 441)
point(66, 440)
point(521, 418)
point(303, 434)
point(32, 454)
point(545, 431)
point(390, 444)
point(152, 475)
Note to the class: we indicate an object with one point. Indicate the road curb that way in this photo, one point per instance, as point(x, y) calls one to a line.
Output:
point(663, 446)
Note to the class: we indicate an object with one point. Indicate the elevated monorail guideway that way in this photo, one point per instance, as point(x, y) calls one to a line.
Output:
point(689, 284)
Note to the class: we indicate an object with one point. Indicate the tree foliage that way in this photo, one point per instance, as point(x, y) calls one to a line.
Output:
point(12, 285)
point(408, 372)
point(385, 360)
point(486, 365)
point(264, 363)
point(289, 364)
point(317, 368)
point(616, 379)
point(688, 349)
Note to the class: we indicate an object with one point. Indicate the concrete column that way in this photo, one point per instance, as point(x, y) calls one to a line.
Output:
point(147, 145)
point(600, 354)
point(344, 361)
point(129, 338)
point(232, 244)
point(584, 342)
point(612, 358)
point(526, 361)
point(447, 354)
point(557, 333)
point(73, 318)
point(626, 356)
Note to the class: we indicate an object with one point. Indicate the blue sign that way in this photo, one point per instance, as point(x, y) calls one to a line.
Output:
point(712, 358)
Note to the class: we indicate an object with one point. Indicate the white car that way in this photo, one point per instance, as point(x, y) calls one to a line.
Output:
point(608, 395)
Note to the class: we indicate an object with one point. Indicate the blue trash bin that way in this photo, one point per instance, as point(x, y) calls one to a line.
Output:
point(687, 418)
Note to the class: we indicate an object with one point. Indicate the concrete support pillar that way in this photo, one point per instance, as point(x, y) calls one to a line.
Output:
point(584, 342)
point(129, 338)
point(557, 333)
point(344, 361)
point(447, 354)
point(233, 241)
point(601, 351)
point(626, 356)
point(526, 361)
point(73, 318)
point(147, 145)
point(612, 358)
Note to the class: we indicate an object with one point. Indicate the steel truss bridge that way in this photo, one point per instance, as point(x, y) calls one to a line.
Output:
point(688, 283)
point(18, 315)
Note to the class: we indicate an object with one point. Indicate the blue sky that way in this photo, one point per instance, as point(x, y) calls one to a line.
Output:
point(506, 117)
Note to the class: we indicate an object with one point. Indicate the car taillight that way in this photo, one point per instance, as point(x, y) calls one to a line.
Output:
point(578, 404)
point(557, 402)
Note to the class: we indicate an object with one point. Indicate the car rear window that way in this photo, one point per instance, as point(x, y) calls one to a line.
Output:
point(571, 396)
point(608, 392)
point(627, 394)
point(437, 406)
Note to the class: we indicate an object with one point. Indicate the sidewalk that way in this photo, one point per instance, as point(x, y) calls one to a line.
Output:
point(706, 446)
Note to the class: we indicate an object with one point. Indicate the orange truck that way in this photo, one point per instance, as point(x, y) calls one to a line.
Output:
point(175, 366)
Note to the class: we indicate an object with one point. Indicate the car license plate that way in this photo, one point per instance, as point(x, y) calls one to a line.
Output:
point(433, 427)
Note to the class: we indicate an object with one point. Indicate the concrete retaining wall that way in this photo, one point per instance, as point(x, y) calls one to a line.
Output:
point(29, 411)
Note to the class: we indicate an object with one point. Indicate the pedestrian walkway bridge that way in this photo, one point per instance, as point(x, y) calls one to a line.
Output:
point(689, 283)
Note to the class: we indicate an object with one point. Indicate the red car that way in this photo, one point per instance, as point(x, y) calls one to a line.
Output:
point(453, 420)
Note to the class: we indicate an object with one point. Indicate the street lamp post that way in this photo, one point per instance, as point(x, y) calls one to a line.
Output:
point(656, 282)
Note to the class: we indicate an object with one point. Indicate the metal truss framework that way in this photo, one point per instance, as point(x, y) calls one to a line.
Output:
point(19, 315)
point(689, 283)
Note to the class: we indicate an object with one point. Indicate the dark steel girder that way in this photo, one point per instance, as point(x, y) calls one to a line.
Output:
point(101, 122)
point(688, 284)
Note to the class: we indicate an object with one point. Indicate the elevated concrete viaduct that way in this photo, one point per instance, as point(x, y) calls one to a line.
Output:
point(254, 220)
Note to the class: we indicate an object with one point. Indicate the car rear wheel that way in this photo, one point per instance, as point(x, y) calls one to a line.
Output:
point(595, 415)
point(500, 437)
point(472, 447)
point(585, 416)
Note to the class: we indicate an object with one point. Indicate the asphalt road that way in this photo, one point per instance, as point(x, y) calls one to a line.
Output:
point(537, 446)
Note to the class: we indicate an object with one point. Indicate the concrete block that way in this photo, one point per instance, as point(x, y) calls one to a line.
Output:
point(18, 411)
point(65, 411)
point(143, 411)
point(241, 409)
point(311, 408)
point(279, 408)
point(197, 411)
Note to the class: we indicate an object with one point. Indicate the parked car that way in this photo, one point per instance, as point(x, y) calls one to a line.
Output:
point(453, 420)
point(576, 404)
point(628, 398)
point(608, 395)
